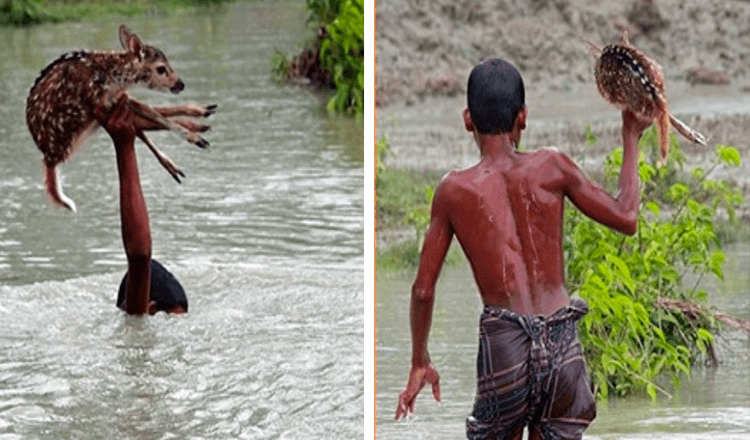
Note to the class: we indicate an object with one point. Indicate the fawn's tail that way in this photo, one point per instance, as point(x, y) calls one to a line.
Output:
point(54, 190)
point(663, 129)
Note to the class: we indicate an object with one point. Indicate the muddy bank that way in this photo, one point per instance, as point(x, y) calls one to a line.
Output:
point(426, 50)
point(427, 47)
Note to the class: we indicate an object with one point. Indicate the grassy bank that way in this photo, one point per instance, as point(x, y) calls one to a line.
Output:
point(403, 213)
point(27, 12)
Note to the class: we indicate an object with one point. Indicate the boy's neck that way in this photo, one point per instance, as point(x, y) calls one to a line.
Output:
point(496, 145)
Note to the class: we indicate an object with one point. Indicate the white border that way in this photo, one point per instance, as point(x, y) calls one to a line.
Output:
point(369, 222)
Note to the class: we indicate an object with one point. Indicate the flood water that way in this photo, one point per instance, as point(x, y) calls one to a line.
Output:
point(265, 234)
point(713, 404)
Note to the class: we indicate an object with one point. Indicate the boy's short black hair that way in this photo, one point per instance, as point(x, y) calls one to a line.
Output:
point(495, 95)
point(165, 291)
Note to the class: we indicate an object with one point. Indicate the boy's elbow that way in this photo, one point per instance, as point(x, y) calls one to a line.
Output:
point(630, 227)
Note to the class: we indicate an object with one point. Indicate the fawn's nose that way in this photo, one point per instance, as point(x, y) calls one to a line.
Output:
point(178, 87)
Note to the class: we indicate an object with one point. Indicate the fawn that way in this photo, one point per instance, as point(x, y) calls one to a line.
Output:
point(628, 79)
point(60, 109)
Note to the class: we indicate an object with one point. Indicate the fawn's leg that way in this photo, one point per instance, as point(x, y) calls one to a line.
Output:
point(149, 113)
point(160, 118)
point(686, 131)
point(194, 110)
point(165, 161)
point(190, 124)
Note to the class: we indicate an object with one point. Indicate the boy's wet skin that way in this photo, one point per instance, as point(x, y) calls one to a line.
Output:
point(123, 125)
point(507, 212)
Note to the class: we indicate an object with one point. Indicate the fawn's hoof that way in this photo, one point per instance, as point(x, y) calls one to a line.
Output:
point(177, 174)
point(210, 109)
point(202, 143)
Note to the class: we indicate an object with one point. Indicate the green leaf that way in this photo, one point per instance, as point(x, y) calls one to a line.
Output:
point(728, 155)
point(591, 138)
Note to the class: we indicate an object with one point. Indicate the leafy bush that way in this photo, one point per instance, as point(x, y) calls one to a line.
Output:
point(335, 59)
point(20, 12)
point(342, 53)
point(629, 341)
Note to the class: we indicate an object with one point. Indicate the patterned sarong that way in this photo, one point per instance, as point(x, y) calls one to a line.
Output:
point(531, 371)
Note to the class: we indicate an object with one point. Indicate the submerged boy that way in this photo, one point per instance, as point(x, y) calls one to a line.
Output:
point(506, 212)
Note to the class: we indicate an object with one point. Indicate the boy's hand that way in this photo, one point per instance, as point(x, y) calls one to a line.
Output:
point(418, 378)
point(632, 125)
point(119, 123)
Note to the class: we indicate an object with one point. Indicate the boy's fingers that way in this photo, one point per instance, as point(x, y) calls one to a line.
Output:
point(405, 405)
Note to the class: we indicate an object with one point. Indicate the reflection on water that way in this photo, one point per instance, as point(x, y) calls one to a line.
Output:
point(265, 233)
point(714, 404)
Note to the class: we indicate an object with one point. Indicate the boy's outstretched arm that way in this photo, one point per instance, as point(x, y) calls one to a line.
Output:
point(619, 213)
point(122, 127)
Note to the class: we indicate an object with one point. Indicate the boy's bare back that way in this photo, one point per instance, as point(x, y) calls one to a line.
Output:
point(507, 215)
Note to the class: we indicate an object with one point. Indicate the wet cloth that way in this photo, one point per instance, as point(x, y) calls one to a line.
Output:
point(531, 371)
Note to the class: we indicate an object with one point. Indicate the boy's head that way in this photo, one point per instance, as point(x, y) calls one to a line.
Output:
point(166, 292)
point(495, 95)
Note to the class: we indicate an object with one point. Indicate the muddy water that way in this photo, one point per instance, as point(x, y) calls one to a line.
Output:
point(265, 233)
point(714, 404)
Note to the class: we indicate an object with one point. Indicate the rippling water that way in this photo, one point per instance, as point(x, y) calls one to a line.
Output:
point(265, 233)
point(713, 404)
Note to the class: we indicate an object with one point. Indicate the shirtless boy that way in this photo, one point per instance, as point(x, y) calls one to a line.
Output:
point(507, 213)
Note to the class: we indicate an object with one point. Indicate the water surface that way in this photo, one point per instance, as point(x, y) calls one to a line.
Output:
point(714, 404)
point(265, 233)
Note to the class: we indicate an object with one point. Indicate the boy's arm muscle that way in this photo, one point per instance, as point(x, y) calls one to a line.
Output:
point(620, 213)
point(596, 203)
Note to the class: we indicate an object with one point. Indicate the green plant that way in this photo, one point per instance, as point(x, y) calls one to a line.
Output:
point(382, 150)
point(280, 65)
point(335, 58)
point(629, 341)
point(323, 12)
point(342, 54)
point(20, 12)
point(419, 216)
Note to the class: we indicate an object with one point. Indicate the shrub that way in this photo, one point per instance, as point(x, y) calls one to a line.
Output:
point(629, 341)
point(20, 12)
point(342, 54)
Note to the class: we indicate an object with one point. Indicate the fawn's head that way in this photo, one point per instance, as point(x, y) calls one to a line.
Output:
point(152, 66)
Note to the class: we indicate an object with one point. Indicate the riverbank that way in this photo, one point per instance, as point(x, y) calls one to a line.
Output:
point(22, 13)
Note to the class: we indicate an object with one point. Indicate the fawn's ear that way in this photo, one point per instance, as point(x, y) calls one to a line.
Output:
point(131, 42)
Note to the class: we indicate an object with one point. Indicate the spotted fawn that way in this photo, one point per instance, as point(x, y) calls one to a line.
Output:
point(628, 79)
point(61, 103)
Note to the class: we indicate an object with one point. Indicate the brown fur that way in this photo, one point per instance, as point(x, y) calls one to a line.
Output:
point(60, 107)
point(628, 79)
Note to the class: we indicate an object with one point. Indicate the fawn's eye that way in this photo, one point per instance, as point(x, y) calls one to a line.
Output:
point(161, 70)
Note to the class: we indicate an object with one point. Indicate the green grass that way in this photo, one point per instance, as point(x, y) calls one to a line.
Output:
point(26, 12)
point(405, 255)
point(400, 191)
